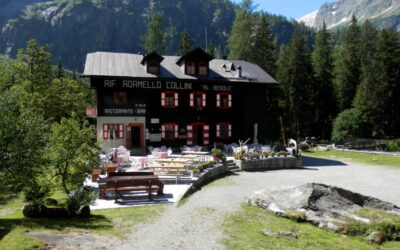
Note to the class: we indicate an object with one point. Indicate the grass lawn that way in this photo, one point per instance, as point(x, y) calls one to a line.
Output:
point(373, 159)
point(244, 231)
point(116, 222)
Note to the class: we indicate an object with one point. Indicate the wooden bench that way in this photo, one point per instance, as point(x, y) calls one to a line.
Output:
point(147, 183)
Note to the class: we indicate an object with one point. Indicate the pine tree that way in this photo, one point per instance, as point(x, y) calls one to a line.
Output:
point(154, 39)
point(263, 46)
point(386, 118)
point(239, 42)
point(347, 68)
point(325, 107)
point(59, 70)
point(296, 81)
point(364, 100)
point(185, 44)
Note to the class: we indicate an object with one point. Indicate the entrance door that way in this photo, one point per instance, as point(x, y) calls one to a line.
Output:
point(197, 134)
point(135, 137)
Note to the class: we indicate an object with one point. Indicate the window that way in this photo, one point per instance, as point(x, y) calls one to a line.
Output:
point(153, 67)
point(169, 99)
point(120, 98)
point(190, 68)
point(113, 131)
point(169, 131)
point(198, 100)
point(203, 69)
point(224, 100)
point(224, 130)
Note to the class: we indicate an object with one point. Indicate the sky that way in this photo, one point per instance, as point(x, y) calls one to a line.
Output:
point(288, 8)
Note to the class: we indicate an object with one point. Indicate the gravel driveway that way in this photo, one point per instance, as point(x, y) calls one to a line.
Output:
point(197, 224)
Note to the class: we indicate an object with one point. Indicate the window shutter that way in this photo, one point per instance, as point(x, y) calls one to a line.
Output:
point(176, 100)
point(162, 99)
point(189, 138)
point(176, 131)
point(121, 131)
point(105, 131)
point(230, 100)
point(191, 100)
point(230, 130)
point(163, 131)
point(218, 130)
point(218, 100)
point(203, 99)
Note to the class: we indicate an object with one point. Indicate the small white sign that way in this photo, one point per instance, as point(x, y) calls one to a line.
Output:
point(155, 121)
point(155, 137)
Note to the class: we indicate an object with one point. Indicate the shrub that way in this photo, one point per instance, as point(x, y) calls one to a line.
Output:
point(393, 146)
point(349, 124)
point(79, 198)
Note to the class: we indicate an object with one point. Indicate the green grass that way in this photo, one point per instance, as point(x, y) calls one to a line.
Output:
point(372, 159)
point(117, 222)
point(244, 231)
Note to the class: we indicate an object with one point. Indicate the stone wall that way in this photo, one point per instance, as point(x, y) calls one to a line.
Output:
point(280, 162)
point(211, 174)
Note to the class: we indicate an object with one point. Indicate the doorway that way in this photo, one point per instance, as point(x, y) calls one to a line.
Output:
point(197, 134)
point(135, 135)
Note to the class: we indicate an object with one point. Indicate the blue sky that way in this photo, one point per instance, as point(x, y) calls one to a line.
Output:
point(289, 8)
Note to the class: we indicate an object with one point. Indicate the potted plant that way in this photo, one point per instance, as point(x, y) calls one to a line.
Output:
point(254, 155)
point(218, 155)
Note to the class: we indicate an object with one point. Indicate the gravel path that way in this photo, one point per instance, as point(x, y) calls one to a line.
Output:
point(197, 224)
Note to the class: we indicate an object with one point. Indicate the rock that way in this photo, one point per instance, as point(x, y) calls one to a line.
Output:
point(375, 237)
point(288, 234)
point(84, 212)
point(321, 204)
point(284, 233)
point(269, 232)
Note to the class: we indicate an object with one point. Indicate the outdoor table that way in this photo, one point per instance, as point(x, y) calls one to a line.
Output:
point(195, 153)
point(111, 167)
point(176, 169)
point(172, 160)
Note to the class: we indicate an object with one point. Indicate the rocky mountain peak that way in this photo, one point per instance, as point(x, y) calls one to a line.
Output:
point(383, 13)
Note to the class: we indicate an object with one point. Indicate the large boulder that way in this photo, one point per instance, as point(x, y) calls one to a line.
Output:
point(320, 204)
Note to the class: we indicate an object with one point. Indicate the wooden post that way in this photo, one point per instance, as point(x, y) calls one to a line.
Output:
point(283, 131)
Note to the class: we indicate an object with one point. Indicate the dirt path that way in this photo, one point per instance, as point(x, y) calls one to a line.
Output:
point(198, 223)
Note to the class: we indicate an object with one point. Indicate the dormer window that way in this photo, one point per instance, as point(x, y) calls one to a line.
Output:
point(203, 68)
point(153, 67)
point(190, 68)
point(196, 62)
point(152, 62)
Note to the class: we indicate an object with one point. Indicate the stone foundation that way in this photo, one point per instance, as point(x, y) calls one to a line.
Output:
point(281, 162)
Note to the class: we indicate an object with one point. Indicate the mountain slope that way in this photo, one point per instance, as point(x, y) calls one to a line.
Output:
point(74, 28)
point(383, 13)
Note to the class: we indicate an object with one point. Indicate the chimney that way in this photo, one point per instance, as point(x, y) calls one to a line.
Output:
point(239, 71)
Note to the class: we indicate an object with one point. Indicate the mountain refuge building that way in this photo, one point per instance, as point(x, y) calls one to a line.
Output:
point(154, 100)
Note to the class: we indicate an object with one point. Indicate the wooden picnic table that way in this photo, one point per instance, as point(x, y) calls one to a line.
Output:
point(172, 160)
point(111, 167)
point(195, 153)
point(169, 169)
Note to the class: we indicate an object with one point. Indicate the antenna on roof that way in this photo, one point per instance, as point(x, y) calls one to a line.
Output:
point(205, 31)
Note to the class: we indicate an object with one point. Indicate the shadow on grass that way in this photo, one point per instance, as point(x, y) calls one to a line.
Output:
point(318, 162)
point(95, 222)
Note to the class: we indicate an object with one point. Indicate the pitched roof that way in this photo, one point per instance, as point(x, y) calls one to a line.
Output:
point(107, 64)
